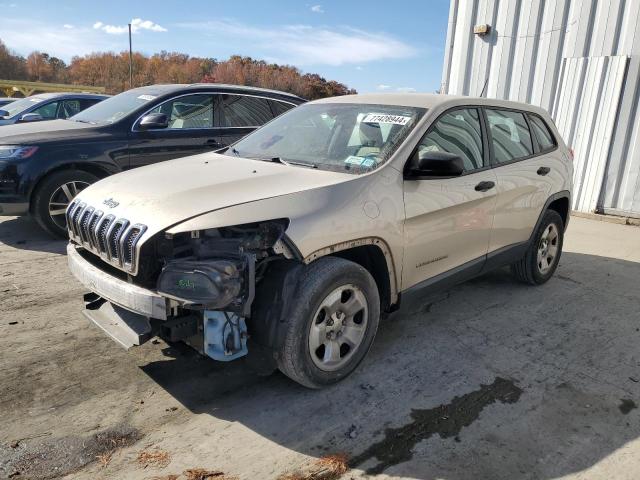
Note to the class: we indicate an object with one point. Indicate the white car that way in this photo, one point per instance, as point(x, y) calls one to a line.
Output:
point(294, 240)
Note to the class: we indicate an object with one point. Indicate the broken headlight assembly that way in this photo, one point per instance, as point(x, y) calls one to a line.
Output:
point(215, 269)
point(212, 283)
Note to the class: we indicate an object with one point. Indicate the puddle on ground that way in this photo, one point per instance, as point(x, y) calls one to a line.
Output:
point(626, 405)
point(444, 420)
point(56, 457)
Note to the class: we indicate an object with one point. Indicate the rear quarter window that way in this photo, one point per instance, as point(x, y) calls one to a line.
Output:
point(542, 132)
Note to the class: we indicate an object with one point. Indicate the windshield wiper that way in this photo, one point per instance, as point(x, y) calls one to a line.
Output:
point(291, 162)
point(84, 121)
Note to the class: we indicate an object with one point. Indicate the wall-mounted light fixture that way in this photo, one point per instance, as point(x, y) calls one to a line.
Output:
point(482, 30)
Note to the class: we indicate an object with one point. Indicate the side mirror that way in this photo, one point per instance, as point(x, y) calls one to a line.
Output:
point(4, 113)
point(31, 117)
point(154, 120)
point(435, 164)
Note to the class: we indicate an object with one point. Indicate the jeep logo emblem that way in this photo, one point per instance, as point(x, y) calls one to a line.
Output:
point(111, 203)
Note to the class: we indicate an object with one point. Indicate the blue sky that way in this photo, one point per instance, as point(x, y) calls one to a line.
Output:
point(369, 45)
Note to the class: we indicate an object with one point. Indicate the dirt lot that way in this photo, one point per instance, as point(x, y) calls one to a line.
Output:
point(490, 380)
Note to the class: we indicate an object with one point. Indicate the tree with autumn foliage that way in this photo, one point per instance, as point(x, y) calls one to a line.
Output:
point(111, 70)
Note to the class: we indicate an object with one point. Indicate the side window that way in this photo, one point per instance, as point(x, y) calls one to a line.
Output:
point(188, 111)
point(457, 132)
point(86, 103)
point(245, 111)
point(542, 132)
point(47, 111)
point(69, 108)
point(278, 108)
point(510, 135)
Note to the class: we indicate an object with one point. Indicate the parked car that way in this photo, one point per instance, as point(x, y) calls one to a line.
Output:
point(43, 166)
point(5, 100)
point(46, 106)
point(302, 233)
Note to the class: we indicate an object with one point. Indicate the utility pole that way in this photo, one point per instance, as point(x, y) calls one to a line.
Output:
point(130, 60)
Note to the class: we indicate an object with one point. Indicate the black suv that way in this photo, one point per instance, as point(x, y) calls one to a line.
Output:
point(44, 165)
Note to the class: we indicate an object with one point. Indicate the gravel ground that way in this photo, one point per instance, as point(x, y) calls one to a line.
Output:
point(491, 379)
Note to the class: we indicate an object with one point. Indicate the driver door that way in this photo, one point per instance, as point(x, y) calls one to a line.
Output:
point(448, 221)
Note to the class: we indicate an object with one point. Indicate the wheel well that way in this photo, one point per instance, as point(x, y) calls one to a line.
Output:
point(92, 169)
point(372, 259)
point(561, 205)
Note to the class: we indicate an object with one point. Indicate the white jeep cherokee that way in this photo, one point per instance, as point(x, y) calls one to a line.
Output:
point(295, 240)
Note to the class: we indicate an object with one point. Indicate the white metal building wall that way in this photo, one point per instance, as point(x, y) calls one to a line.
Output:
point(580, 60)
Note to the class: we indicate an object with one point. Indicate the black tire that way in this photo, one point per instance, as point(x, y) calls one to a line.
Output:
point(528, 268)
point(43, 196)
point(320, 279)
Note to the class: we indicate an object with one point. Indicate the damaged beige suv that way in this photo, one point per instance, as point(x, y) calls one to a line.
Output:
point(292, 243)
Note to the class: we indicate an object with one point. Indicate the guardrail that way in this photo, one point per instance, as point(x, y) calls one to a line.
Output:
point(10, 87)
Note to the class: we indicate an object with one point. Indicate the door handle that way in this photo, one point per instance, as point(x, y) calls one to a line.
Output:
point(484, 186)
point(543, 171)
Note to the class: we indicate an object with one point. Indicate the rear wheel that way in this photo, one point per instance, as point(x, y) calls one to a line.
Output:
point(333, 324)
point(54, 195)
point(541, 259)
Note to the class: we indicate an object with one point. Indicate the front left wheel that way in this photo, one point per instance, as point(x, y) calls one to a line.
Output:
point(332, 325)
point(54, 195)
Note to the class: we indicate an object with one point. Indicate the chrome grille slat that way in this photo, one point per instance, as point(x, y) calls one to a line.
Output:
point(83, 224)
point(101, 235)
point(75, 214)
point(114, 233)
point(93, 223)
point(128, 243)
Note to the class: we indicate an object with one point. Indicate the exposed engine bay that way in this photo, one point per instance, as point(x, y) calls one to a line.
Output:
point(208, 279)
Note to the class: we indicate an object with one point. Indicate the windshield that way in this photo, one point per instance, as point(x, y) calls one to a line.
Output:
point(113, 109)
point(334, 136)
point(20, 105)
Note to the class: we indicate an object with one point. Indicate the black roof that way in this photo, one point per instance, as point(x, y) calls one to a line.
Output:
point(165, 88)
point(63, 95)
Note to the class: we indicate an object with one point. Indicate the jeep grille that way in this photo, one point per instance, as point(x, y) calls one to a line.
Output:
point(112, 239)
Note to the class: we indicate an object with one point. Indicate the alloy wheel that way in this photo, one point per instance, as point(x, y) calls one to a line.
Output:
point(547, 249)
point(338, 327)
point(60, 200)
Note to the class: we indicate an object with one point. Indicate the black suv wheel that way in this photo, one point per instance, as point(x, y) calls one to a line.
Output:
point(54, 195)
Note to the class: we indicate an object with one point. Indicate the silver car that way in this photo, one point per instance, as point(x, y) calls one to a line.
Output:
point(292, 243)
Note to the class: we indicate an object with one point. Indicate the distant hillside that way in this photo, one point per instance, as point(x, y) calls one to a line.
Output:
point(111, 70)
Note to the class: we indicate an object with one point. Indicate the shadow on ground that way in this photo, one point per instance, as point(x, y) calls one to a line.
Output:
point(492, 379)
point(25, 234)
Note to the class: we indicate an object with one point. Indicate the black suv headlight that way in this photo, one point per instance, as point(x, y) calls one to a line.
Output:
point(16, 151)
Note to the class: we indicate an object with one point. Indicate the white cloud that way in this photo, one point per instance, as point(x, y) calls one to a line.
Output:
point(359, 68)
point(67, 26)
point(304, 44)
point(405, 89)
point(137, 24)
point(25, 35)
point(317, 9)
point(383, 87)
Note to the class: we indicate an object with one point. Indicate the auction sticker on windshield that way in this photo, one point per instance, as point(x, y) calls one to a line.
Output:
point(385, 118)
point(361, 161)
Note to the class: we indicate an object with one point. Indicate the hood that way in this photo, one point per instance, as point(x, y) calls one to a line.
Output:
point(162, 195)
point(47, 130)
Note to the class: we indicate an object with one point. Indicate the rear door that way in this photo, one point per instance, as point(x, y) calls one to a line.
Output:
point(241, 114)
point(448, 220)
point(525, 168)
point(191, 130)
